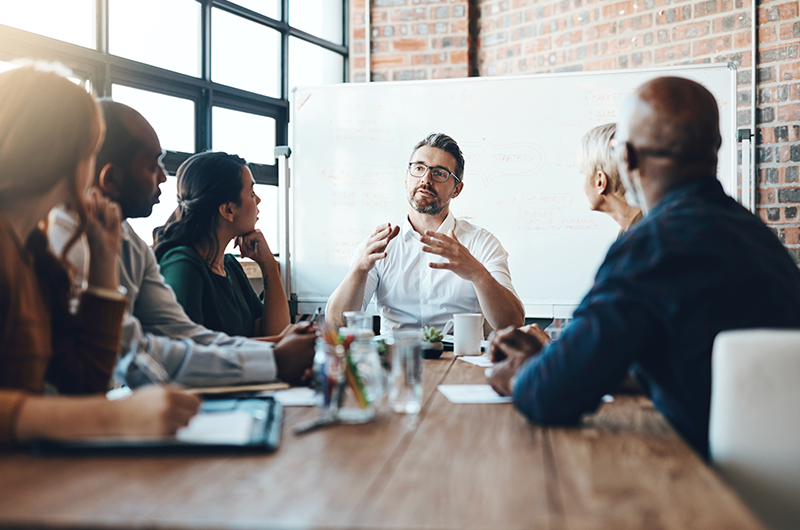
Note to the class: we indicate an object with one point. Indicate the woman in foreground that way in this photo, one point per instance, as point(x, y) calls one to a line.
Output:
point(50, 129)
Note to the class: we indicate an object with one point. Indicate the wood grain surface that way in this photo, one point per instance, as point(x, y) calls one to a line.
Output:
point(451, 466)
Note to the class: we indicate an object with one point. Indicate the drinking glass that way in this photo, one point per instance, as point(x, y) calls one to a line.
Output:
point(405, 394)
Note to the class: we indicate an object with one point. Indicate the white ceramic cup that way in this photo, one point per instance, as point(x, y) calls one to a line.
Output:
point(467, 333)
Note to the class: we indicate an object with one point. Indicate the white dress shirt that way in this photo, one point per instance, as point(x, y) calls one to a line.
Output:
point(410, 294)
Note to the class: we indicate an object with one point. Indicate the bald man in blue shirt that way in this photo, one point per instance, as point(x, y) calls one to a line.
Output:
point(698, 264)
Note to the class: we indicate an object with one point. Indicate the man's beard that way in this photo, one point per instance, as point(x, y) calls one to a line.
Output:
point(434, 207)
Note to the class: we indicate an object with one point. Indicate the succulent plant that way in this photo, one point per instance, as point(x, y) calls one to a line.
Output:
point(431, 334)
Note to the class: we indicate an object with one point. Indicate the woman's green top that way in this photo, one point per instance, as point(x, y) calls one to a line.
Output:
point(221, 303)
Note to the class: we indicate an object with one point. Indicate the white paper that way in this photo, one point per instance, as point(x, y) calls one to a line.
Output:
point(297, 397)
point(460, 394)
point(233, 427)
point(484, 361)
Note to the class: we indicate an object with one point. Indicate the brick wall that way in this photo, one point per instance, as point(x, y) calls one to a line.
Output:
point(427, 39)
point(411, 39)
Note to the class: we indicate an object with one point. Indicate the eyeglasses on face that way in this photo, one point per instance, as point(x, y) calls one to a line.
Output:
point(438, 174)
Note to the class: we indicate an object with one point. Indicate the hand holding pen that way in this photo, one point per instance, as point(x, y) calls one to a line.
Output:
point(156, 409)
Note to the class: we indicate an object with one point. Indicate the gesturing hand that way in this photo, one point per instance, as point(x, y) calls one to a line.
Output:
point(375, 249)
point(515, 342)
point(254, 245)
point(510, 348)
point(459, 259)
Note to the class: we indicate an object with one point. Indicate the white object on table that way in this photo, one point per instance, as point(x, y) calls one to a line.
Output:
point(234, 428)
point(467, 333)
point(484, 361)
point(297, 397)
point(462, 394)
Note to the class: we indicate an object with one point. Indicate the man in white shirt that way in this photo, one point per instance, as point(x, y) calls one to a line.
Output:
point(439, 265)
point(129, 171)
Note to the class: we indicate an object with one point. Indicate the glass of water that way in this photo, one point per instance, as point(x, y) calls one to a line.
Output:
point(405, 394)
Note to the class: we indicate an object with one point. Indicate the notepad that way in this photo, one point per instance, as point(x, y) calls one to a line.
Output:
point(233, 428)
point(231, 424)
point(462, 394)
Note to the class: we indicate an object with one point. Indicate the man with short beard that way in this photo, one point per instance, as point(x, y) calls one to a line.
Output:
point(439, 265)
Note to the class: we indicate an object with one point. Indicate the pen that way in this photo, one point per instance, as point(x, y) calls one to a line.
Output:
point(314, 316)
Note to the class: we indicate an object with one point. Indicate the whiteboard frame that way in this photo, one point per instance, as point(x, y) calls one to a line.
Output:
point(539, 310)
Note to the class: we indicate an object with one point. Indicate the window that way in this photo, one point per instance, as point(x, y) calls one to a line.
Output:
point(171, 117)
point(70, 21)
point(233, 61)
point(164, 33)
point(250, 136)
point(270, 8)
point(312, 65)
point(205, 73)
point(321, 18)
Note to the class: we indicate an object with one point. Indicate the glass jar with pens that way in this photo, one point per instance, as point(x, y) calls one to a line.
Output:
point(348, 374)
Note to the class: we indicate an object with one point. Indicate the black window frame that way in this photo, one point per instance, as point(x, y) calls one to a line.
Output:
point(101, 69)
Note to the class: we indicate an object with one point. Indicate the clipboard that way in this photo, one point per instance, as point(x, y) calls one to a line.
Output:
point(246, 424)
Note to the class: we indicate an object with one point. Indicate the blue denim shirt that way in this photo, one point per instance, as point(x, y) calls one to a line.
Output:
point(698, 264)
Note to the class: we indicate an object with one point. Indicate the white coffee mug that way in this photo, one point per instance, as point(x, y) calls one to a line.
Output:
point(467, 333)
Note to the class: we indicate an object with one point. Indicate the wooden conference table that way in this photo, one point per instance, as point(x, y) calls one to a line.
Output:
point(461, 466)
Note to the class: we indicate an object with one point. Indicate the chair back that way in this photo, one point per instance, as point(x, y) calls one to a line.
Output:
point(754, 428)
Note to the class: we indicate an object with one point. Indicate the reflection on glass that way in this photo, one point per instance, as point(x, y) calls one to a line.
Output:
point(248, 135)
point(270, 8)
point(322, 18)
point(164, 33)
point(67, 20)
point(244, 54)
point(267, 217)
point(171, 117)
point(312, 65)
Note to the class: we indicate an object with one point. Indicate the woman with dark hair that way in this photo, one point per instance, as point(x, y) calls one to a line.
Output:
point(50, 130)
point(217, 204)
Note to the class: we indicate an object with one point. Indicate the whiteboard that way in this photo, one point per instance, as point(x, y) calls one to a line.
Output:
point(351, 144)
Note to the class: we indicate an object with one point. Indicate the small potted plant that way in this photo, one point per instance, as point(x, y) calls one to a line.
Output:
point(432, 346)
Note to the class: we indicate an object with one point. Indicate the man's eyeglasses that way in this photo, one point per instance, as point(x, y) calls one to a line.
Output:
point(438, 174)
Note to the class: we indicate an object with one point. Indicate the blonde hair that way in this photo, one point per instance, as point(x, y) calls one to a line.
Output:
point(48, 126)
point(596, 154)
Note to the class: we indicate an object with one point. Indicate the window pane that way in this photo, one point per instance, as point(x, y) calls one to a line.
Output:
point(68, 20)
point(164, 33)
point(270, 8)
point(171, 117)
point(311, 65)
point(144, 226)
point(234, 60)
point(248, 135)
point(322, 18)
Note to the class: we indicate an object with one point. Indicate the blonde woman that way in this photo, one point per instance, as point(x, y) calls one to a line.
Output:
point(50, 129)
point(602, 185)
